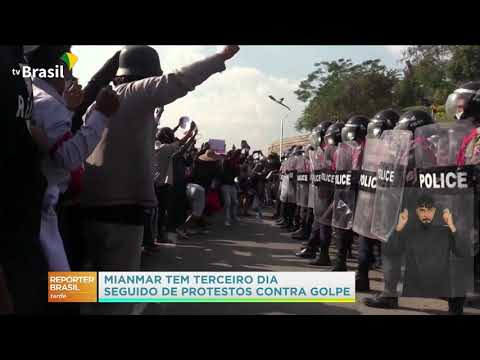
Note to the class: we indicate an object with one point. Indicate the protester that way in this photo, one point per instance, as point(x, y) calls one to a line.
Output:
point(116, 195)
point(167, 151)
point(231, 170)
point(259, 172)
point(180, 161)
point(206, 173)
point(70, 215)
point(54, 102)
point(273, 182)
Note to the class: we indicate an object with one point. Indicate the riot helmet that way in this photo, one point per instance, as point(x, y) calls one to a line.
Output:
point(383, 120)
point(333, 135)
point(318, 133)
point(414, 119)
point(139, 61)
point(355, 128)
point(464, 102)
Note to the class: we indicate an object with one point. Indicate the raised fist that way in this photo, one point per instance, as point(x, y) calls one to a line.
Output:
point(107, 102)
point(229, 51)
point(73, 96)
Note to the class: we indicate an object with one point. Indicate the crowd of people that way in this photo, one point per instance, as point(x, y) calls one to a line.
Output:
point(78, 174)
point(92, 179)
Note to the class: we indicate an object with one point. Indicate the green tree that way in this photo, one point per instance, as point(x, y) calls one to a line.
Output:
point(338, 88)
point(426, 76)
point(464, 64)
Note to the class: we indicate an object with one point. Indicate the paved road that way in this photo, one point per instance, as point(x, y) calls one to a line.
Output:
point(257, 245)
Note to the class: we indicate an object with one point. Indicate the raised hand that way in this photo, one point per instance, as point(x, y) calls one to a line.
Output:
point(402, 220)
point(229, 51)
point(448, 218)
point(73, 96)
point(107, 101)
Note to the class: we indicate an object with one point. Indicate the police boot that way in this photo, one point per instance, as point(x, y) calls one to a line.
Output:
point(382, 302)
point(455, 305)
point(323, 258)
point(306, 253)
point(339, 266)
point(362, 283)
point(299, 234)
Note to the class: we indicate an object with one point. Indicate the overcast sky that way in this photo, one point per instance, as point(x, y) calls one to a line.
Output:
point(234, 105)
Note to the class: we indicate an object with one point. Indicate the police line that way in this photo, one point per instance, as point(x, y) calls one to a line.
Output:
point(435, 178)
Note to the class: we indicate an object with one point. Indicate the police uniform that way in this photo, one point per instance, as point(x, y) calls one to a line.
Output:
point(23, 186)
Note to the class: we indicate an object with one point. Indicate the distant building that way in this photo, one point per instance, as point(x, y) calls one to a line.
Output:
point(289, 142)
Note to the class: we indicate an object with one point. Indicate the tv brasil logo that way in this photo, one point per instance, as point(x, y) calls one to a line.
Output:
point(56, 72)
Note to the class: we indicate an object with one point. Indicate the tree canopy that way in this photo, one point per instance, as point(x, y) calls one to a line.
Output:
point(338, 88)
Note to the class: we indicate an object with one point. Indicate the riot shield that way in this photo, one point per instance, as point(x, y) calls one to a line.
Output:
point(284, 181)
point(302, 175)
point(311, 176)
point(393, 147)
point(372, 156)
point(438, 229)
point(325, 186)
point(348, 161)
point(292, 180)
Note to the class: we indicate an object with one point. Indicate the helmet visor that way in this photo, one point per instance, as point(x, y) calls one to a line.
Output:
point(456, 104)
point(348, 133)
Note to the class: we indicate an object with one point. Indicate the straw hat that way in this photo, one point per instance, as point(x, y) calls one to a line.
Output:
point(209, 155)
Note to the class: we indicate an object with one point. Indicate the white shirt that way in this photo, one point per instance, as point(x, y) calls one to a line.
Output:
point(67, 153)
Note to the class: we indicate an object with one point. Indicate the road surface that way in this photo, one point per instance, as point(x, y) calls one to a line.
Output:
point(258, 245)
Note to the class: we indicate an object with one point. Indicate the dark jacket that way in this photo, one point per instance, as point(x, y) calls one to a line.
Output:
point(231, 170)
point(204, 172)
point(428, 258)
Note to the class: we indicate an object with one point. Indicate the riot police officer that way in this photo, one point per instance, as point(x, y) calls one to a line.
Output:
point(387, 205)
point(463, 105)
point(383, 120)
point(348, 162)
point(317, 141)
point(327, 136)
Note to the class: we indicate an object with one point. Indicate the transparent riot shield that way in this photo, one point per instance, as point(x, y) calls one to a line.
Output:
point(302, 175)
point(325, 177)
point(347, 165)
point(367, 183)
point(393, 146)
point(435, 230)
point(284, 181)
point(311, 176)
point(292, 180)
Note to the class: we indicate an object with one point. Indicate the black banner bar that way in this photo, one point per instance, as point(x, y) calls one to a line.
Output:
point(302, 177)
point(390, 175)
point(367, 181)
point(324, 178)
point(346, 179)
point(446, 179)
